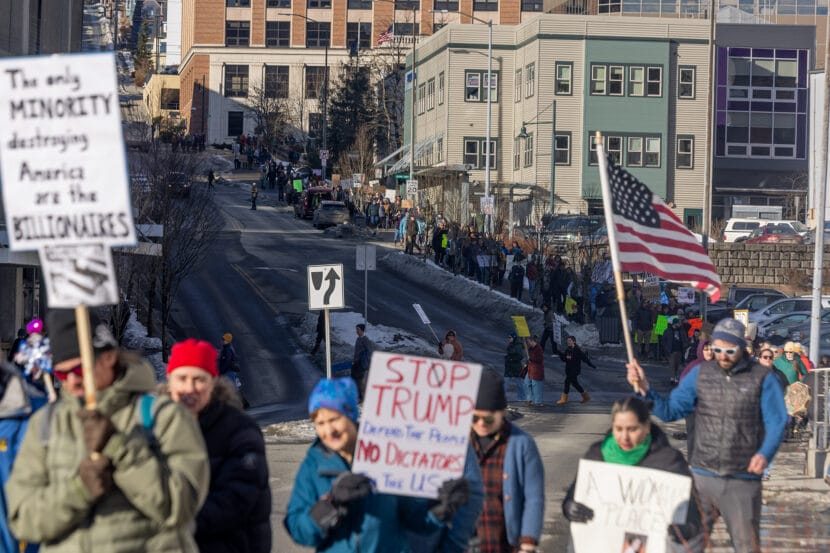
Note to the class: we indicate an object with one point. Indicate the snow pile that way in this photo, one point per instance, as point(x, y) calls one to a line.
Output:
point(587, 336)
point(135, 338)
point(300, 430)
point(348, 231)
point(469, 292)
point(219, 163)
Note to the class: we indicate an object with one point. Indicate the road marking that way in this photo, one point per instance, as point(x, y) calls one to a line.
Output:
point(275, 269)
point(251, 282)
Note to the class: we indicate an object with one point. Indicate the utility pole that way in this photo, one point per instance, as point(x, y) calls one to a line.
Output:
point(412, 114)
point(488, 219)
point(706, 223)
point(324, 160)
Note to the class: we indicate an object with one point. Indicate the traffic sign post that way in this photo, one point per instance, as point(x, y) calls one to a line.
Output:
point(326, 291)
point(488, 205)
point(366, 260)
point(411, 188)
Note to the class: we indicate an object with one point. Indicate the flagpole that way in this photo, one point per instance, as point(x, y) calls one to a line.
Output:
point(612, 244)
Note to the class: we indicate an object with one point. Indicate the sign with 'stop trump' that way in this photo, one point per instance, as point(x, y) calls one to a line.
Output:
point(415, 425)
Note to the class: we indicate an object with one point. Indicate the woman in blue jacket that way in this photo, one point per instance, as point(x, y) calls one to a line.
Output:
point(335, 510)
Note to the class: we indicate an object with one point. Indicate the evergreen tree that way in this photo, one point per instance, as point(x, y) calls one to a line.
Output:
point(352, 108)
point(142, 58)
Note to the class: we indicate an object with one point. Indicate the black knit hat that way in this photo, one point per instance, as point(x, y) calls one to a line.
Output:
point(491, 392)
point(63, 335)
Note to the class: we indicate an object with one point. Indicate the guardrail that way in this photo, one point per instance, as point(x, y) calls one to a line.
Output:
point(821, 407)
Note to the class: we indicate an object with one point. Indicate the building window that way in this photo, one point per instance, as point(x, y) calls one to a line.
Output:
point(636, 78)
point(359, 4)
point(236, 120)
point(449, 6)
point(278, 34)
point(474, 152)
point(430, 94)
point(531, 5)
point(317, 35)
point(593, 157)
point(562, 149)
point(654, 86)
point(439, 147)
point(237, 33)
point(476, 86)
point(440, 88)
point(614, 147)
point(634, 155)
point(238, 3)
point(279, 3)
point(276, 81)
point(609, 6)
point(422, 93)
point(652, 152)
point(407, 4)
point(564, 78)
point(528, 152)
point(315, 125)
point(406, 29)
point(685, 152)
point(319, 4)
point(236, 81)
point(517, 84)
point(530, 80)
point(517, 154)
point(315, 81)
point(598, 79)
point(486, 5)
point(686, 82)
point(359, 36)
point(616, 80)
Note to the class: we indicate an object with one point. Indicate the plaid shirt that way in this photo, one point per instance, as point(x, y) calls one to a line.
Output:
point(491, 530)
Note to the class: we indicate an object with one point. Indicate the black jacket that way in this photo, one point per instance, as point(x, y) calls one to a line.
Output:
point(236, 515)
point(573, 358)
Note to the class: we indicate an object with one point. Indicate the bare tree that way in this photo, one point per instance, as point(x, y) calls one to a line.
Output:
point(268, 112)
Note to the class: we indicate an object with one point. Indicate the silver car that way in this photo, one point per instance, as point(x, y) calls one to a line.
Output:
point(330, 213)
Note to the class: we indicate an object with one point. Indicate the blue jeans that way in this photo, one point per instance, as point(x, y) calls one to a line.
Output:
point(534, 389)
point(515, 382)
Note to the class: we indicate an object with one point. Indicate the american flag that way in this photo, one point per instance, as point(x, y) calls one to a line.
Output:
point(386, 36)
point(650, 238)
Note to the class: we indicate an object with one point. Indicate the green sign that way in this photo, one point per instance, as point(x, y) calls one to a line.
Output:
point(298, 185)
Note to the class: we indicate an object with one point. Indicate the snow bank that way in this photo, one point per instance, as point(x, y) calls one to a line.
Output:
point(135, 338)
point(300, 430)
point(219, 163)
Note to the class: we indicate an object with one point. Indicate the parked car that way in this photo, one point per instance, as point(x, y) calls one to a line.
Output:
point(303, 172)
point(310, 199)
point(564, 230)
point(775, 234)
point(330, 213)
point(780, 325)
point(738, 227)
point(752, 302)
point(801, 332)
point(787, 305)
point(178, 184)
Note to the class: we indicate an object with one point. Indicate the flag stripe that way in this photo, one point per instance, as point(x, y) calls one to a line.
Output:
point(639, 254)
point(668, 242)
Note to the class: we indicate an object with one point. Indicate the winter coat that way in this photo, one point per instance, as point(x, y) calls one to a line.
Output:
point(660, 456)
point(513, 360)
point(573, 358)
point(794, 370)
point(227, 359)
point(517, 273)
point(674, 340)
point(158, 490)
point(536, 363)
point(376, 523)
point(645, 318)
point(236, 515)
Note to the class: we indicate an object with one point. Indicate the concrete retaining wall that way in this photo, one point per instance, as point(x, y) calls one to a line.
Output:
point(771, 265)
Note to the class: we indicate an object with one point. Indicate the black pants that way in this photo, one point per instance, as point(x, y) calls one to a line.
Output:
point(410, 243)
point(548, 334)
point(253, 202)
point(516, 289)
point(572, 378)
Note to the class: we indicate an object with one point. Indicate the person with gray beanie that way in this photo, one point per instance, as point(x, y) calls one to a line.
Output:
point(740, 418)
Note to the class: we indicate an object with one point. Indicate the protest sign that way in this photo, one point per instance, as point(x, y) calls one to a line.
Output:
point(297, 184)
point(416, 422)
point(629, 503)
point(79, 275)
point(685, 295)
point(522, 330)
point(390, 194)
point(64, 170)
point(741, 315)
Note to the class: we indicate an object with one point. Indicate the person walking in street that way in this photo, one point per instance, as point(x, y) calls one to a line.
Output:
point(228, 362)
point(451, 348)
point(674, 342)
point(411, 233)
point(548, 333)
point(254, 194)
point(335, 510)
point(236, 515)
point(128, 476)
point(573, 356)
point(535, 379)
point(512, 472)
point(211, 177)
point(439, 242)
point(362, 358)
point(513, 366)
point(740, 419)
point(321, 331)
point(517, 278)
point(634, 441)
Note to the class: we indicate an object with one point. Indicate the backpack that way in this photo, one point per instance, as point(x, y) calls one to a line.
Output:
point(411, 226)
point(148, 420)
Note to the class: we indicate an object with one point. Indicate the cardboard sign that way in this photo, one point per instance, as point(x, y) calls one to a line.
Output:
point(685, 295)
point(522, 330)
point(79, 275)
point(298, 185)
point(742, 315)
point(407, 204)
point(629, 503)
point(64, 170)
point(416, 422)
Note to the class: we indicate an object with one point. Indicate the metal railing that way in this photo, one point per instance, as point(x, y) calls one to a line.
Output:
point(821, 408)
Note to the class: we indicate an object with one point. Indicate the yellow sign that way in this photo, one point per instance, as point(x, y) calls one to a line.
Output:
point(522, 331)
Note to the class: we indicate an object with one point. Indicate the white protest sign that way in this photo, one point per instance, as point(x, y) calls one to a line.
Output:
point(685, 295)
point(390, 194)
point(420, 311)
point(79, 275)
point(629, 503)
point(416, 421)
point(62, 152)
point(651, 280)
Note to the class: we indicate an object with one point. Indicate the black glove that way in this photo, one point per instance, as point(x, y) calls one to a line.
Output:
point(682, 532)
point(577, 512)
point(350, 487)
point(451, 495)
point(326, 514)
point(98, 429)
point(96, 475)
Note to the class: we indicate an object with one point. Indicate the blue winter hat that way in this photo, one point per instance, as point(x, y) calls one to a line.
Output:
point(337, 394)
point(731, 331)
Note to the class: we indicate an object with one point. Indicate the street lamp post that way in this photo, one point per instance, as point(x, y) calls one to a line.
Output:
point(523, 134)
point(488, 149)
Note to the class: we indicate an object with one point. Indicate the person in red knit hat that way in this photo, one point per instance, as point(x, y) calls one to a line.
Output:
point(236, 514)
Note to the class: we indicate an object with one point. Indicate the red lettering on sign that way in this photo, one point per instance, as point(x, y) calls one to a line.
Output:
point(401, 397)
point(391, 366)
point(380, 390)
point(437, 375)
point(368, 451)
point(459, 374)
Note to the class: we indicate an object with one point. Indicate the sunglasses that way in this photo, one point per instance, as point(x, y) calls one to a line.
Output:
point(790, 352)
point(486, 419)
point(727, 351)
point(63, 375)
point(766, 357)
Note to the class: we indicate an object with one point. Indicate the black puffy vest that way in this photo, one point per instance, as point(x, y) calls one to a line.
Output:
point(729, 428)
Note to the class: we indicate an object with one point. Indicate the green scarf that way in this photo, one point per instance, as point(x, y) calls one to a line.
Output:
point(613, 453)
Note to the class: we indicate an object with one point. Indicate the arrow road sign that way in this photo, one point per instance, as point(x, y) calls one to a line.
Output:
point(325, 287)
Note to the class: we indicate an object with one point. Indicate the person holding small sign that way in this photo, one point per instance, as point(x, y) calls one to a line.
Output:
point(335, 510)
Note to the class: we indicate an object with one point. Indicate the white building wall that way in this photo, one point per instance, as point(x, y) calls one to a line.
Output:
point(174, 32)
